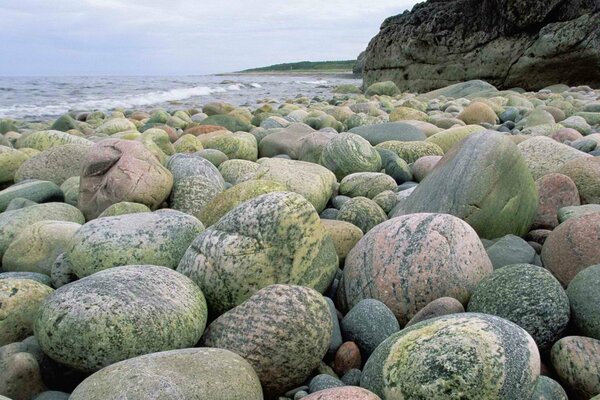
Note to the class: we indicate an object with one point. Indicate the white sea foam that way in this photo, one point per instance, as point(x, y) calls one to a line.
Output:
point(256, 85)
point(318, 82)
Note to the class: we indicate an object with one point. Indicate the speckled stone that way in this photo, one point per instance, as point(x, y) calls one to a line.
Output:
point(34, 190)
point(12, 223)
point(572, 246)
point(585, 172)
point(21, 377)
point(527, 295)
point(362, 212)
point(437, 308)
point(483, 181)
point(283, 331)
point(20, 300)
point(202, 373)
point(352, 377)
point(584, 296)
point(448, 138)
point(157, 238)
point(124, 207)
point(421, 257)
point(344, 234)
point(56, 164)
point(348, 153)
point(239, 145)
point(394, 166)
point(576, 360)
point(70, 188)
point(508, 250)
point(368, 324)
point(576, 211)
point(61, 272)
point(347, 358)
point(10, 161)
point(555, 191)
point(544, 155)
point(467, 356)
point(236, 171)
point(548, 389)
point(366, 184)
point(273, 238)
point(323, 382)
point(34, 276)
point(19, 202)
point(336, 332)
point(43, 140)
point(118, 314)
point(343, 393)
point(412, 151)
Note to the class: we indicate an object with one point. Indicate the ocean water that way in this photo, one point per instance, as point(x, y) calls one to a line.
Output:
point(42, 98)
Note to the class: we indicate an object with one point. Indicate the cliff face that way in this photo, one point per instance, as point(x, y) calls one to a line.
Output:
point(509, 43)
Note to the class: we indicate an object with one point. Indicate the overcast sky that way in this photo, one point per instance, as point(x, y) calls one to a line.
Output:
point(178, 37)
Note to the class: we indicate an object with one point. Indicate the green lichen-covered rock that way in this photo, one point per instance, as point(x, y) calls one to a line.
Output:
point(421, 256)
point(548, 389)
point(236, 171)
point(20, 300)
point(394, 166)
point(160, 138)
point(273, 238)
point(12, 223)
point(34, 190)
point(344, 234)
point(214, 156)
point(448, 138)
point(119, 314)
point(70, 189)
point(43, 140)
point(312, 145)
point(188, 143)
point(544, 155)
point(157, 238)
point(283, 357)
point(379, 133)
point(366, 184)
point(203, 373)
point(56, 164)
point(116, 125)
point(124, 207)
point(8, 125)
point(228, 122)
point(387, 200)
point(10, 161)
point(362, 212)
point(477, 113)
point(225, 201)
point(576, 360)
point(240, 145)
point(64, 123)
point(314, 182)
point(34, 276)
point(484, 181)
point(387, 88)
point(412, 151)
point(584, 296)
point(459, 356)
point(38, 245)
point(348, 153)
point(527, 295)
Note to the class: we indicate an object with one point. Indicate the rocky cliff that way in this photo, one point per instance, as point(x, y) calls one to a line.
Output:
point(509, 43)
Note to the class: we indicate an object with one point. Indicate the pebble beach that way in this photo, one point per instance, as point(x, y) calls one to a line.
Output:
point(277, 237)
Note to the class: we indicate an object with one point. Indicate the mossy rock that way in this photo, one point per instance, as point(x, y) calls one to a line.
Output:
point(8, 125)
point(467, 356)
point(123, 208)
point(284, 357)
point(64, 123)
point(38, 245)
point(225, 201)
point(348, 153)
point(394, 166)
point(20, 300)
point(527, 295)
point(273, 238)
point(158, 238)
point(228, 122)
point(161, 139)
point(387, 88)
point(366, 184)
point(70, 189)
point(56, 164)
point(43, 140)
point(584, 297)
point(116, 125)
point(119, 314)
point(240, 146)
point(483, 181)
point(315, 182)
point(379, 133)
point(412, 151)
point(312, 146)
point(448, 138)
point(188, 144)
point(34, 190)
point(236, 171)
point(344, 234)
point(10, 161)
point(347, 88)
point(12, 223)
point(204, 373)
point(362, 212)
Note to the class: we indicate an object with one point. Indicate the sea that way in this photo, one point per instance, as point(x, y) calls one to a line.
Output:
point(43, 98)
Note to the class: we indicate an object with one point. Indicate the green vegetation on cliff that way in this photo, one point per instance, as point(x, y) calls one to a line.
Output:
point(329, 66)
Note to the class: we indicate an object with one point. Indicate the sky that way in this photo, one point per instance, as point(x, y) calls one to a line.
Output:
point(181, 37)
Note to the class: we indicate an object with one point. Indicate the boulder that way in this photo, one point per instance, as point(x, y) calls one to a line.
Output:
point(348, 153)
point(121, 170)
point(585, 172)
point(344, 234)
point(44, 140)
point(155, 238)
point(203, 373)
point(284, 141)
point(555, 192)
point(33, 190)
point(421, 256)
point(10, 162)
point(584, 297)
point(484, 181)
point(273, 238)
point(343, 393)
point(548, 389)
point(124, 207)
point(366, 184)
point(544, 155)
point(412, 151)
point(228, 122)
point(508, 250)
point(566, 213)
point(448, 138)
point(362, 212)
point(283, 357)
point(119, 314)
point(236, 171)
point(56, 164)
point(576, 360)
point(528, 44)
point(385, 132)
point(240, 145)
point(478, 112)
point(437, 308)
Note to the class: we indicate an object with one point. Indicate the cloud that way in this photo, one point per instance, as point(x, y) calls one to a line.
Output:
point(152, 37)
